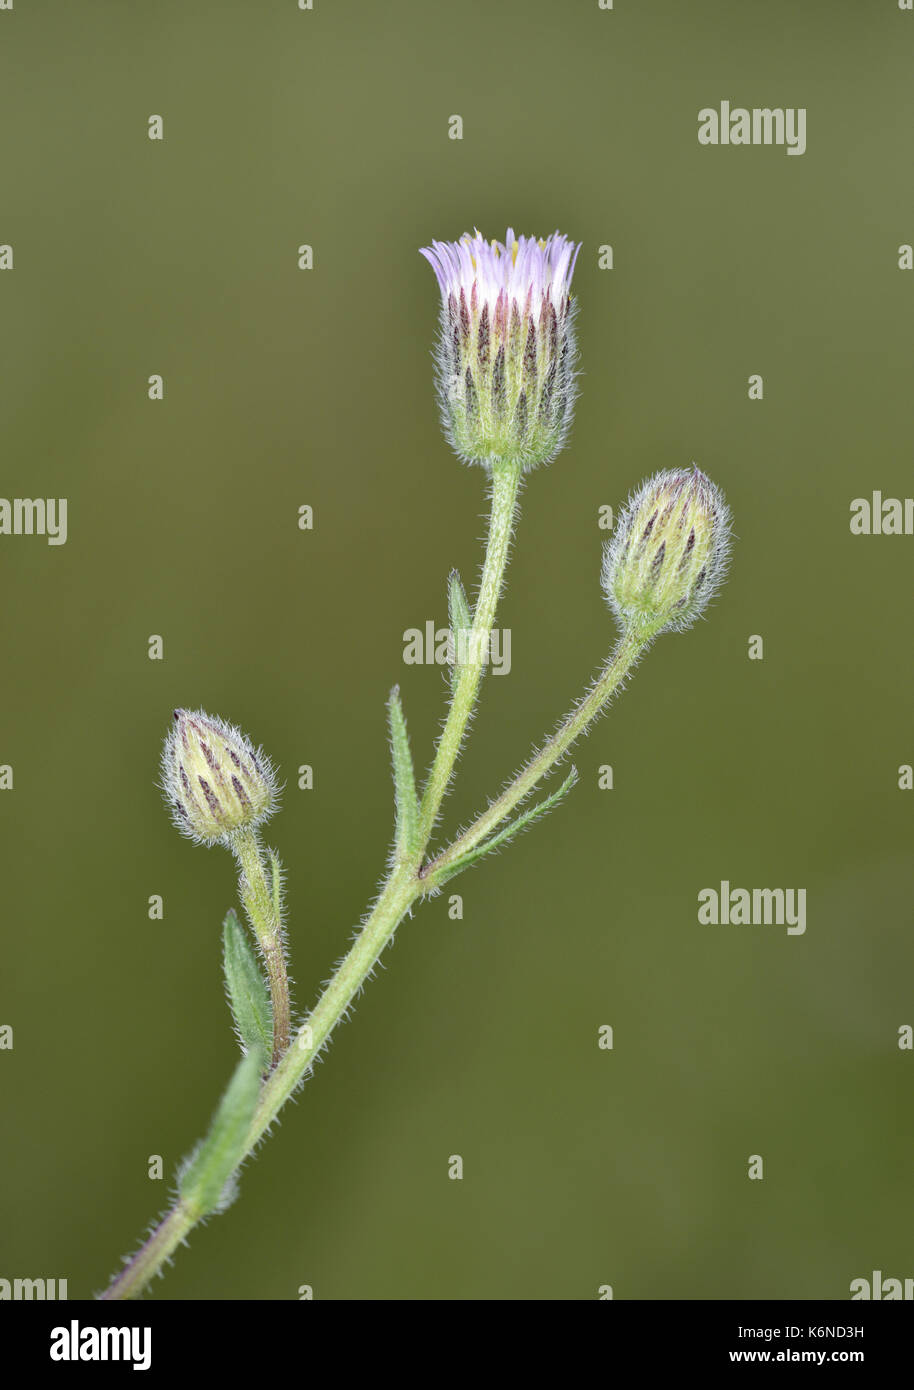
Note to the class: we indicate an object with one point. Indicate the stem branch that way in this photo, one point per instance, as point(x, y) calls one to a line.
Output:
point(589, 707)
point(406, 882)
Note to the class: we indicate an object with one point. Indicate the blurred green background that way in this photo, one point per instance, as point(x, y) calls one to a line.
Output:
point(282, 388)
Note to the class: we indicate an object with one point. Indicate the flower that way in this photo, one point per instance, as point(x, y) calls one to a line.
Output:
point(506, 351)
point(668, 554)
point(213, 778)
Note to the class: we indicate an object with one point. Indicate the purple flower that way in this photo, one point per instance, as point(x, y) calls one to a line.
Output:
point(505, 359)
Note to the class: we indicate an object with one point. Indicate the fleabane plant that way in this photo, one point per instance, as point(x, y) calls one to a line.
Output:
point(506, 351)
point(221, 790)
point(506, 387)
point(668, 554)
point(216, 783)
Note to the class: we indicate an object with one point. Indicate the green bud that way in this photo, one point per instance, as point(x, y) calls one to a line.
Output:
point(214, 779)
point(668, 553)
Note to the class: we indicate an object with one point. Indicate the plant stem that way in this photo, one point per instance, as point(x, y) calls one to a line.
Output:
point(401, 889)
point(398, 893)
point(260, 903)
point(505, 486)
point(624, 657)
point(397, 896)
point(153, 1254)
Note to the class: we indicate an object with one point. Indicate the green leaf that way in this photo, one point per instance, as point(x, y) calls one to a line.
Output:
point(247, 990)
point(509, 832)
point(459, 619)
point(404, 778)
point(205, 1182)
point(457, 606)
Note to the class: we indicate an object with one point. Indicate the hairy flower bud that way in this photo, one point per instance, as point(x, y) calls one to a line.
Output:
point(668, 553)
point(214, 779)
point(505, 359)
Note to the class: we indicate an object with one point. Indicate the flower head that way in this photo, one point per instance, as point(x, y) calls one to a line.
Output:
point(506, 353)
point(668, 553)
point(214, 779)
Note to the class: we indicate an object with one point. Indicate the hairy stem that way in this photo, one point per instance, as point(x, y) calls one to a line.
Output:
point(154, 1253)
point(261, 903)
point(406, 882)
point(397, 896)
point(589, 707)
point(505, 486)
point(403, 887)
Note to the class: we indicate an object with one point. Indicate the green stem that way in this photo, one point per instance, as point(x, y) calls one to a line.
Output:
point(154, 1253)
point(505, 486)
point(400, 891)
point(397, 896)
point(260, 900)
point(589, 707)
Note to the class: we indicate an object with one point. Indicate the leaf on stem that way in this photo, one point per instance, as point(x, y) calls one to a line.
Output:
point(459, 620)
point(407, 803)
point(509, 832)
point(247, 990)
point(206, 1182)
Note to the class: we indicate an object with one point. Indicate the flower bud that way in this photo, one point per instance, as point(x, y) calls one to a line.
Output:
point(214, 779)
point(668, 553)
point(506, 352)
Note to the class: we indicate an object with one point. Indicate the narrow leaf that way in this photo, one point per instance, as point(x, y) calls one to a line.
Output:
point(459, 619)
point(205, 1182)
point(404, 778)
point(457, 606)
point(247, 990)
point(510, 830)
